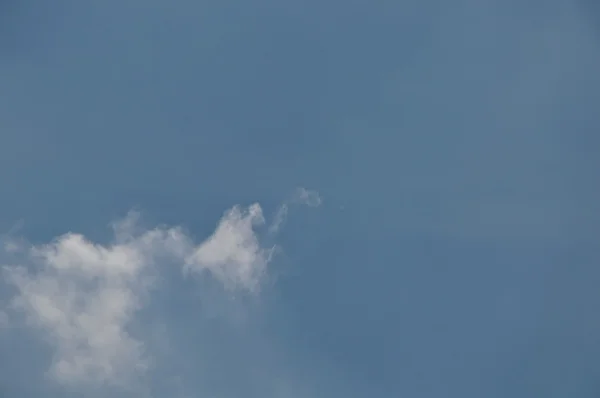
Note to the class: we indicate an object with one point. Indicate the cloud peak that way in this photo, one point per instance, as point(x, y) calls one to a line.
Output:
point(233, 253)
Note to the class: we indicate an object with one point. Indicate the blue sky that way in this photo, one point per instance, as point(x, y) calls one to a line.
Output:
point(299, 199)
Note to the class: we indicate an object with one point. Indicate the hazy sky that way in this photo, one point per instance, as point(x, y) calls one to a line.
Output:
point(280, 199)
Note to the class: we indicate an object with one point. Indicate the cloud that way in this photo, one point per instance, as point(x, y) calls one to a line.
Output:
point(278, 219)
point(233, 253)
point(300, 196)
point(83, 298)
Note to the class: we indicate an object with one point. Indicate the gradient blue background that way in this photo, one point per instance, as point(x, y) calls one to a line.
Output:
point(455, 145)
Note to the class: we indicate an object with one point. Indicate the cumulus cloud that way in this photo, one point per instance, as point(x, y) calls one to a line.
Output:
point(83, 297)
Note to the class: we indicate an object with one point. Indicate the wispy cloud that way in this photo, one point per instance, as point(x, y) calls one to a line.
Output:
point(306, 197)
point(301, 196)
point(83, 297)
point(233, 253)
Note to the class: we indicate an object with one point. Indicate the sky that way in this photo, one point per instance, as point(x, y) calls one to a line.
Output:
point(284, 199)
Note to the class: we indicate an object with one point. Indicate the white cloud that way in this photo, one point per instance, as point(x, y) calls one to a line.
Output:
point(83, 297)
point(233, 253)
